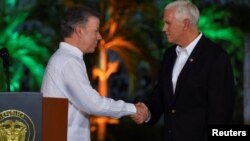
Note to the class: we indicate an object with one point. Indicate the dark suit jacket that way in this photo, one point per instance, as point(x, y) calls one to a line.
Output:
point(204, 93)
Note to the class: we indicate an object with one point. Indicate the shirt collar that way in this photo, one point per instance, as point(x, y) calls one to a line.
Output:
point(72, 49)
point(190, 47)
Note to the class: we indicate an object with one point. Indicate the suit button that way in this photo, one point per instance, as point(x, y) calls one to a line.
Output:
point(173, 111)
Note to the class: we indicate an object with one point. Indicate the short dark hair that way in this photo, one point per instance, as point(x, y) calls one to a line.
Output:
point(74, 16)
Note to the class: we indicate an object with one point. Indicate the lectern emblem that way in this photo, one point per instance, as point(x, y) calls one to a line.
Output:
point(16, 126)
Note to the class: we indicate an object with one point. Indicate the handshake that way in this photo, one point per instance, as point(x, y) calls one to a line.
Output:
point(142, 113)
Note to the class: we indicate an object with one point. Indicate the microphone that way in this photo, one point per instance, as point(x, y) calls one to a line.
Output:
point(5, 56)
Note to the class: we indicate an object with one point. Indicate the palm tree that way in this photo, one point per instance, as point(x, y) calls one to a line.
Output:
point(117, 31)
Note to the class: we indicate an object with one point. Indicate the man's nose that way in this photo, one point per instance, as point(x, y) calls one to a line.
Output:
point(99, 37)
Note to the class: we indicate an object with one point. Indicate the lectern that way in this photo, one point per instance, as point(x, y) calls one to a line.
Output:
point(27, 116)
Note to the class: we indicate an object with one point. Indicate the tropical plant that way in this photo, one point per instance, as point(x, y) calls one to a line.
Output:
point(126, 33)
point(123, 27)
point(27, 56)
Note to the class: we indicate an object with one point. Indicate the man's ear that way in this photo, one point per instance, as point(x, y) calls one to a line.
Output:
point(78, 31)
point(187, 24)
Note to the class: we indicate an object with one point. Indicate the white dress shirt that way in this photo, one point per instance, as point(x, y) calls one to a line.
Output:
point(182, 55)
point(66, 77)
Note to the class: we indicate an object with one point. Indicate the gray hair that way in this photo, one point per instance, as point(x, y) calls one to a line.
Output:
point(77, 15)
point(185, 9)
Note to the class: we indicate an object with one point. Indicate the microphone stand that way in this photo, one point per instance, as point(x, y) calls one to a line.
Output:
point(5, 56)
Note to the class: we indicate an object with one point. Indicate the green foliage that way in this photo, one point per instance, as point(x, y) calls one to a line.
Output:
point(27, 57)
point(214, 23)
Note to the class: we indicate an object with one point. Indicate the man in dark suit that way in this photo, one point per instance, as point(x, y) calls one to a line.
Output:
point(196, 84)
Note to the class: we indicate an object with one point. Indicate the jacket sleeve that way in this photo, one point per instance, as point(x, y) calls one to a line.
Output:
point(155, 100)
point(155, 105)
point(221, 91)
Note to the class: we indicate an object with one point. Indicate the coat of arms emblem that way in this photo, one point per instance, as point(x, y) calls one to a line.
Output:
point(16, 126)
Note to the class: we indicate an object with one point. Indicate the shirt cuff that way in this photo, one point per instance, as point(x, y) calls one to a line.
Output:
point(149, 117)
point(131, 108)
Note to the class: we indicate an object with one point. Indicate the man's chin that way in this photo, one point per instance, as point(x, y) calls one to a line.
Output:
point(170, 41)
point(92, 51)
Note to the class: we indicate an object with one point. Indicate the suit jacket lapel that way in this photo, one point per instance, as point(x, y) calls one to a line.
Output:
point(167, 74)
point(170, 70)
point(194, 56)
